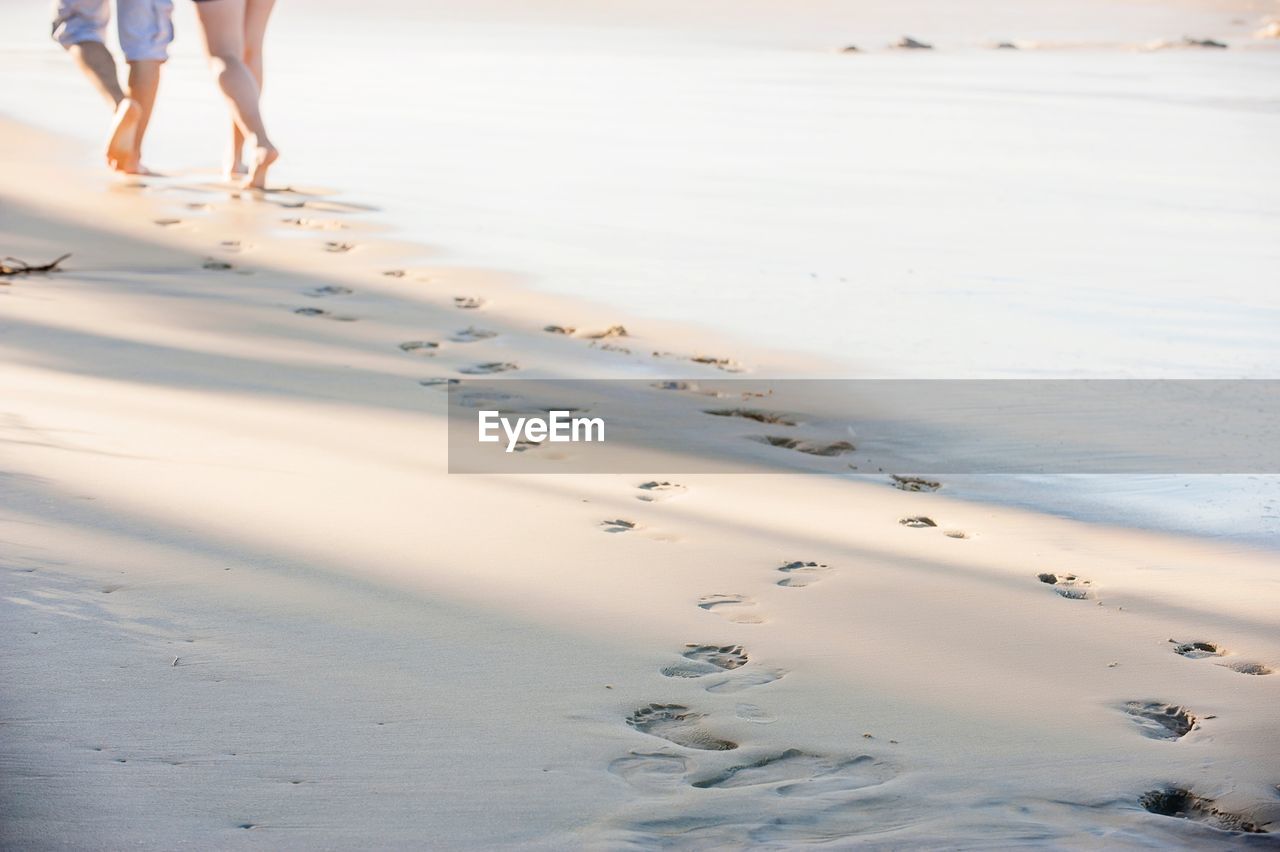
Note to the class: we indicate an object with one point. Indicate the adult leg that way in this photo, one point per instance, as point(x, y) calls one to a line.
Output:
point(144, 82)
point(93, 58)
point(256, 15)
point(223, 23)
point(80, 26)
point(146, 29)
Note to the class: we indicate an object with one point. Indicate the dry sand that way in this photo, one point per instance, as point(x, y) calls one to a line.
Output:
point(245, 606)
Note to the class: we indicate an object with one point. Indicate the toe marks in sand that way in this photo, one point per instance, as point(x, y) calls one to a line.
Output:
point(422, 348)
point(321, 312)
point(653, 491)
point(471, 334)
point(1183, 804)
point(1161, 721)
point(914, 483)
point(1197, 650)
point(1200, 650)
point(703, 660)
point(677, 724)
point(1068, 586)
point(619, 525)
point(327, 290)
point(800, 574)
point(488, 368)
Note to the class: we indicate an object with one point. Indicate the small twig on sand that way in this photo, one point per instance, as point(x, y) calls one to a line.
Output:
point(12, 266)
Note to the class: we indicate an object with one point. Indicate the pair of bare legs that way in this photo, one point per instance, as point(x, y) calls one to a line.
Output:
point(233, 37)
point(132, 105)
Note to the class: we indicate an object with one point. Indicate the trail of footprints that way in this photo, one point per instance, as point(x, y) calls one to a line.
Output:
point(729, 668)
point(722, 668)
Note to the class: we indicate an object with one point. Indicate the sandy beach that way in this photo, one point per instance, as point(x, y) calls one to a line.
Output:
point(244, 604)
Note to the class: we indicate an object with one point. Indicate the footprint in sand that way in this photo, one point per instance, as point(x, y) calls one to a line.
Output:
point(393, 273)
point(799, 773)
point(914, 483)
point(747, 680)
point(165, 223)
point(230, 245)
point(315, 224)
point(918, 522)
point(619, 526)
point(424, 348)
point(471, 334)
point(726, 364)
point(653, 772)
point(1183, 804)
point(1248, 667)
point(811, 448)
point(488, 368)
point(1197, 650)
point(1201, 650)
point(320, 312)
point(468, 303)
point(758, 415)
point(702, 660)
point(566, 330)
point(212, 263)
point(961, 534)
point(338, 247)
point(326, 291)
point(909, 43)
point(1161, 721)
point(439, 382)
point(653, 491)
point(1068, 586)
point(611, 331)
point(736, 608)
point(801, 574)
point(677, 724)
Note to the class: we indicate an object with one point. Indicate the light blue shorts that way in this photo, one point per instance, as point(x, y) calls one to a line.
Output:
point(145, 26)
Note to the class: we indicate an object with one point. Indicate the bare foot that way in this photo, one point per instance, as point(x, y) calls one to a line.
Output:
point(264, 154)
point(122, 144)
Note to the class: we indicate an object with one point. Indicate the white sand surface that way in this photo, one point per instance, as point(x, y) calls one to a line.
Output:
point(244, 605)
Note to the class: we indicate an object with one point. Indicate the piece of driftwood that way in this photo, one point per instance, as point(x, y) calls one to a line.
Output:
point(12, 266)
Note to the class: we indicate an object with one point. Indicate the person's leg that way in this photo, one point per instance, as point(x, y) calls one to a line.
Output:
point(145, 29)
point(80, 26)
point(223, 23)
point(256, 15)
point(93, 58)
point(144, 83)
